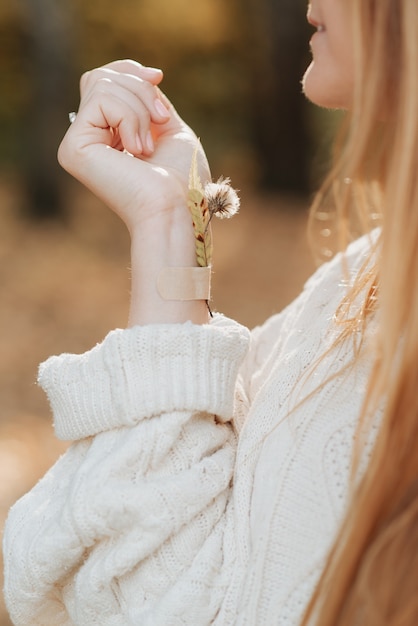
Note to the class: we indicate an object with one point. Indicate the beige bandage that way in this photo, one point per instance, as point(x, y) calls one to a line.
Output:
point(184, 283)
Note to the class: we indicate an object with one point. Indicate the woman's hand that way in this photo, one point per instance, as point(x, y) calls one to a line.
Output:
point(128, 144)
point(131, 149)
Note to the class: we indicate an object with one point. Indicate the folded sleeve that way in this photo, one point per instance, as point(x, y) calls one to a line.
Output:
point(141, 372)
point(128, 526)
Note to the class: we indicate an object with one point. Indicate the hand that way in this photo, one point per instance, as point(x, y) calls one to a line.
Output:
point(130, 148)
point(122, 109)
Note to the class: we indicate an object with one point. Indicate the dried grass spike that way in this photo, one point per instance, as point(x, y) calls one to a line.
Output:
point(198, 207)
point(194, 178)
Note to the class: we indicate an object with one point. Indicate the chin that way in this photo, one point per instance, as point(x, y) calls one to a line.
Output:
point(323, 89)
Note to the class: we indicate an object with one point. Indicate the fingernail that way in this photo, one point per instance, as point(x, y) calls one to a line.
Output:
point(139, 143)
point(161, 109)
point(150, 142)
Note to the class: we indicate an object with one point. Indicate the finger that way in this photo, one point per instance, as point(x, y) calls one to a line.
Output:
point(113, 99)
point(143, 99)
point(107, 118)
point(149, 94)
point(150, 74)
point(153, 75)
point(175, 122)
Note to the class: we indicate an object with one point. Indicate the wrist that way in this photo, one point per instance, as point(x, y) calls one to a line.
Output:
point(152, 252)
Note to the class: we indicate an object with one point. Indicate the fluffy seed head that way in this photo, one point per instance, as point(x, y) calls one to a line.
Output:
point(222, 199)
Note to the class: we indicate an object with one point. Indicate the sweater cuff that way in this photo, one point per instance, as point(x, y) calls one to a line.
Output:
point(144, 371)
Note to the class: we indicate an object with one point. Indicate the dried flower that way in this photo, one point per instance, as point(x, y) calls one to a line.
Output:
point(222, 199)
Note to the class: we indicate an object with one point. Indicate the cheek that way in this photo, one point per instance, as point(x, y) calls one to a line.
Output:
point(329, 79)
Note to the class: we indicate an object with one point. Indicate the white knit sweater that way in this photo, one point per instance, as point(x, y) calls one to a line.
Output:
point(191, 496)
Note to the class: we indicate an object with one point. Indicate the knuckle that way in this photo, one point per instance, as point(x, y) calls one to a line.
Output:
point(91, 77)
point(84, 79)
point(103, 82)
point(131, 63)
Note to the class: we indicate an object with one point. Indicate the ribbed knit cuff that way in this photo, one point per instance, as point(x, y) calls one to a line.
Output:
point(144, 371)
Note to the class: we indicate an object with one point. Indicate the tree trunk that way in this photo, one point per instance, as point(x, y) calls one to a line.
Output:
point(277, 56)
point(50, 67)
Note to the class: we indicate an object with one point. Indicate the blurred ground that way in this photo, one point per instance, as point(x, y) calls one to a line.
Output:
point(64, 287)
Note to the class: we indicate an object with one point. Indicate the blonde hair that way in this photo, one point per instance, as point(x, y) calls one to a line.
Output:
point(371, 575)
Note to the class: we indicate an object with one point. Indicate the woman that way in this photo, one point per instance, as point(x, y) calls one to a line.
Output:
point(224, 477)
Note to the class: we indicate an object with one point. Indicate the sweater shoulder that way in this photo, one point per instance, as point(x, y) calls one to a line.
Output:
point(309, 314)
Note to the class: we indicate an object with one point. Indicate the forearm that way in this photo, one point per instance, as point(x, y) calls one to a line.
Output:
point(151, 252)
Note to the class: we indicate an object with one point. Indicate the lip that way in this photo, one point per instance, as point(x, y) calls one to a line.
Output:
point(318, 34)
point(315, 40)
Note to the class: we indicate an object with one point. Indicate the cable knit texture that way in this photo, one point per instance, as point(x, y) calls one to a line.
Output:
point(199, 488)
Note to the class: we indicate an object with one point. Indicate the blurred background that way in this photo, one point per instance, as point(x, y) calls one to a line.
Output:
point(233, 70)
